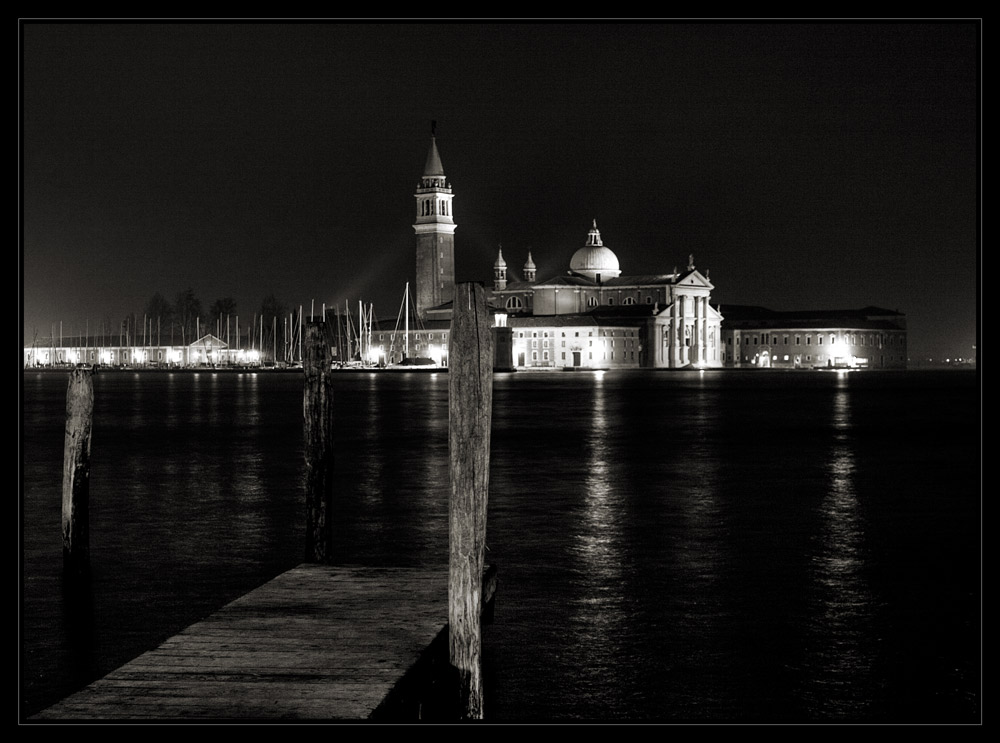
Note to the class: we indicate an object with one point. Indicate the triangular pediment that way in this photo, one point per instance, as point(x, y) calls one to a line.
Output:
point(694, 278)
point(210, 342)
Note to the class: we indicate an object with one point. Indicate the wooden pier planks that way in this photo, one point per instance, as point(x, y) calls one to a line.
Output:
point(319, 642)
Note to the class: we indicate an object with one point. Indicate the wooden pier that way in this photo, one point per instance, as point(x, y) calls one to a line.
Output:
point(320, 642)
point(317, 643)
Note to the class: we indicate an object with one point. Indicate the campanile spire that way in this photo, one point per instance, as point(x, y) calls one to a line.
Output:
point(435, 231)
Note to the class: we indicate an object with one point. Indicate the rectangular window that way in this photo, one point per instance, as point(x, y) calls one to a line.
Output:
point(798, 340)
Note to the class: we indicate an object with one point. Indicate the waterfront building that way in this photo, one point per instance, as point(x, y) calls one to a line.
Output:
point(869, 338)
point(97, 351)
point(594, 316)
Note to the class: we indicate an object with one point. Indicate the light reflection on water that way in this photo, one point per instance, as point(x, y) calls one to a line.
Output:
point(599, 609)
point(672, 547)
point(840, 640)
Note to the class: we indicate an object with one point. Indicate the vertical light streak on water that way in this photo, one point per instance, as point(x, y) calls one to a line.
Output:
point(598, 614)
point(432, 509)
point(839, 654)
point(370, 485)
point(134, 423)
point(698, 647)
point(391, 471)
point(246, 493)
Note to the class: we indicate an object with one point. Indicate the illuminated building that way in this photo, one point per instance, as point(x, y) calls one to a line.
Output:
point(596, 317)
point(869, 338)
point(96, 351)
point(591, 317)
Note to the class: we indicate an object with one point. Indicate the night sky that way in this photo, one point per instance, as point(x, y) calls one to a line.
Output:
point(804, 165)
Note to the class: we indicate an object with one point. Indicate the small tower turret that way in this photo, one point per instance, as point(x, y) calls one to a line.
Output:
point(529, 269)
point(499, 271)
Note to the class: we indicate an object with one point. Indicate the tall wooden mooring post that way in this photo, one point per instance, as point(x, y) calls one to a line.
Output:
point(76, 472)
point(470, 411)
point(317, 410)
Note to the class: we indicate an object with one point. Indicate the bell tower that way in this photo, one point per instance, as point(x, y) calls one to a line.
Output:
point(435, 230)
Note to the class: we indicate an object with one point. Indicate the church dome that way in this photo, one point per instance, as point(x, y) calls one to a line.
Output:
point(500, 262)
point(594, 259)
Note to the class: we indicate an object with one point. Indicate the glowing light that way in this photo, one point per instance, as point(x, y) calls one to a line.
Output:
point(434, 351)
point(105, 357)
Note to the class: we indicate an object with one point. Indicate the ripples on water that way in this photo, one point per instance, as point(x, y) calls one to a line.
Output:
point(717, 547)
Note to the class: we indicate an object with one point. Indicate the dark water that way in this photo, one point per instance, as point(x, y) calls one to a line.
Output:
point(682, 547)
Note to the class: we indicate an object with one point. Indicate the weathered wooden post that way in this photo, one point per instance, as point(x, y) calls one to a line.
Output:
point(76, 472)
point(470, 409)
point(317, 409)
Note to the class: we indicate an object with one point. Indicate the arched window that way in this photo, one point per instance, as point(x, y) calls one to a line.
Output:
point(592, 302)
point(514, 303)
point(628, 300)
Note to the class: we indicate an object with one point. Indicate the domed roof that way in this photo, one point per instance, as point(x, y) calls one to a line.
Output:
point(529, 265)
point(594, 259)
point(500, 262)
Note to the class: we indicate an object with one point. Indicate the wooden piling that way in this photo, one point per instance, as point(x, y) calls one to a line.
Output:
point(317, 409)
point(470, 409)
point(76, 472)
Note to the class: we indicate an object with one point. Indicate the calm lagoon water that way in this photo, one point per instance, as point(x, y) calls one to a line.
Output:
point(673, 547)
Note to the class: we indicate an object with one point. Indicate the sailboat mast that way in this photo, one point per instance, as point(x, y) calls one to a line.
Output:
point(340, 338)
point(371, 317)
point(406, 327)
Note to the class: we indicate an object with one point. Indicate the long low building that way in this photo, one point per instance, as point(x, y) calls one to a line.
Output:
point(868, 338)
point(70, 351)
